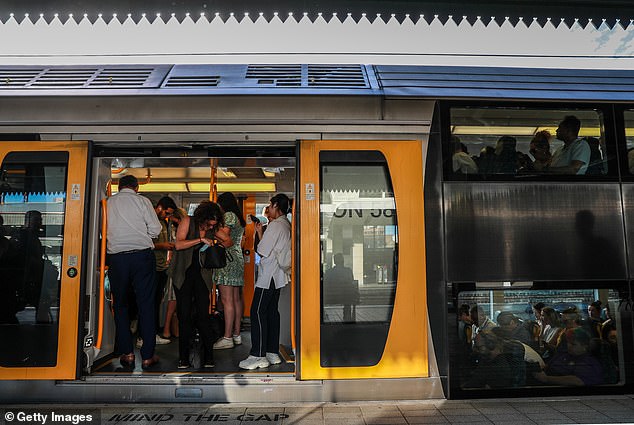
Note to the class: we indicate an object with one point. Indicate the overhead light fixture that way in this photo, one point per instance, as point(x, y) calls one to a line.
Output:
point(494, 131)
point(233, 187)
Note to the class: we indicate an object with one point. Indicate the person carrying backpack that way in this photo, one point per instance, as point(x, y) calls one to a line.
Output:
point(273, 274)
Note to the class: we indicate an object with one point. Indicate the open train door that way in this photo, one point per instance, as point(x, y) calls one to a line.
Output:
point(362, 272)
point(42, 190)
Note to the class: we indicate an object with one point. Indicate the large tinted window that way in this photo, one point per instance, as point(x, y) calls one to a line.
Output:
point(629, 136)
point(32, 208)
point(517, 338)
point(502, 142)
point(359, 241)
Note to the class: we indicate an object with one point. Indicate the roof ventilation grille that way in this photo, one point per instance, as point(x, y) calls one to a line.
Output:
point(193, 81)
point(63, 77)
point(121, 77)
point(276, 75)
point(336, 76)
point(18, 77)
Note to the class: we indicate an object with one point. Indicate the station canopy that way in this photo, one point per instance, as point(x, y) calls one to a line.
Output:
point(612, 11)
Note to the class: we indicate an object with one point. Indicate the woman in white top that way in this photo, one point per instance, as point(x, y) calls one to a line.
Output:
point(274, 248)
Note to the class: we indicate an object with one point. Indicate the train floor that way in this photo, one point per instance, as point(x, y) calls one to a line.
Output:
point(226, 361)
point(591, 409)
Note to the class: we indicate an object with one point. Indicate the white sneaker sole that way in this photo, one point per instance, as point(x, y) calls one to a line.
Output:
point(255, 365)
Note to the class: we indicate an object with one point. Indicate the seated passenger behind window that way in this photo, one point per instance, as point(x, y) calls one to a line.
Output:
point(574, 156)
point(464, 325)
point(513, 328)
point(609, 335)
point(506, 157)
point(540, 150)
point(552, 331)
point(461, 161)
point(494, 369)
point(596, 159)
point(480, 321)
point(576, 367)
point(486, 160)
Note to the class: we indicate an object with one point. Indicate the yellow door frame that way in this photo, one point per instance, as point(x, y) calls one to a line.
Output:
point(67, 350)
point(406, 349)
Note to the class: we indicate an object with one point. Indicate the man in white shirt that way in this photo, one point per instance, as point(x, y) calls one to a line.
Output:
point(574, 156)
point(132, 224)
point(274, 247)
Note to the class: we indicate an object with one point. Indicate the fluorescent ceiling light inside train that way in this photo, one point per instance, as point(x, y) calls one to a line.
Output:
point(161, 187)
point(522, 131)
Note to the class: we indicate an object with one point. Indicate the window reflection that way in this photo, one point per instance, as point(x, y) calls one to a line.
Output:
point(520, 141)
point(517, 338)
point(32, 205)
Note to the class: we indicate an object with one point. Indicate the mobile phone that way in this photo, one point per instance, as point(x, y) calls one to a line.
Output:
point(254, 218)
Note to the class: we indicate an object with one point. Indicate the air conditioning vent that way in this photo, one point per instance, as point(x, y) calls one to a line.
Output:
point(193, 81)
point(122, 77)
point(13, 78)
point(336, 76)
point(276, 75)
point(63, 78)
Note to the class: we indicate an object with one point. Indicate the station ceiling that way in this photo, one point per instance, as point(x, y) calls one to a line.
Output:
point(611, 10)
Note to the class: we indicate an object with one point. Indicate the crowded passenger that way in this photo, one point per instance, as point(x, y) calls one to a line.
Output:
point(494, 368)
point(513, 328)
point(594, 319)
point(170, 327)
point(540, 150)
point(480, 321)
point(274, 248)
point(596, 158)
point(192, 282)
point(132, 224)
point(574, 156)
point(462, 163)
point(576, 366)
point(230, 279)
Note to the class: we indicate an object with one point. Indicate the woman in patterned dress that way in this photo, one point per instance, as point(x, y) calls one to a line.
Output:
point(230, 279)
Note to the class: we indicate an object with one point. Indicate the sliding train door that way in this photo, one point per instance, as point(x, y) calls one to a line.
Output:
point(362, 279)
point(42, 191)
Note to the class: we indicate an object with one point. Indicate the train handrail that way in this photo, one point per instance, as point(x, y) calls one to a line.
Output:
point(102, 271)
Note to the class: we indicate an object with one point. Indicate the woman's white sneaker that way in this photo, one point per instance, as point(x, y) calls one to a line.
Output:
point(237, 339)
point(273, 358)
point(253, 362)
point(223, 343)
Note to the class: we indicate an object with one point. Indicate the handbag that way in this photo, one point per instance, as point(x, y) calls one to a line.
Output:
point(213, 256)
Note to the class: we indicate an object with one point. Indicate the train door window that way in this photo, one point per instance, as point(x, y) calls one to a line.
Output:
point(629, 136)
point(523, 338)
point(520, 142)
point(359, 253)
point(32, 208)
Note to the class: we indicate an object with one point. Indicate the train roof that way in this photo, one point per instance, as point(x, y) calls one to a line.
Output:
point(434, 82)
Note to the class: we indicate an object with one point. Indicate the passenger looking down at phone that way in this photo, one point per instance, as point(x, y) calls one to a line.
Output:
point(480, 321)
point(132, 224)
point(540, 150)
point(513, 328)
point(192, 283)
point(275, 250)
point(574, 156)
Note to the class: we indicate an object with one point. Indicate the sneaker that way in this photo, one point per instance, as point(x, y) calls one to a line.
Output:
point(223, 343)
point(162, 341)
point(273, 358)
point(253, 362)
point(182, 364)
point(208, 363)
point(237, 339)
point(139, 342)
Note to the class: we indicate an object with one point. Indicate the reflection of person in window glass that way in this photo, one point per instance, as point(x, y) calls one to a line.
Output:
point(574, 156)
point(31, 257)
point(340, 287)
point(9, 281)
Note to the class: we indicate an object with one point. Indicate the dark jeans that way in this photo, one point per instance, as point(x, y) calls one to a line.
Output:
point(161, 280)
point(265, 321)
point(134, 269)
point(193, 299)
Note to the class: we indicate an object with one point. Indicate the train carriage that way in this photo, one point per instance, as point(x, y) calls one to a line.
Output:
point(368, 154)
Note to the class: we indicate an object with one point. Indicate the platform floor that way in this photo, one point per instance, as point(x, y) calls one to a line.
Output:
point(586, 410)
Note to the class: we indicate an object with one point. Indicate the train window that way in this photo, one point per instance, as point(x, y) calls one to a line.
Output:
point(33, 199)
point(359, 241)
point(629, 136)
point(537, 338)
point(490, 142)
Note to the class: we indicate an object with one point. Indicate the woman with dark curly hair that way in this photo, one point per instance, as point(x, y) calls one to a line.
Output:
point(191, 282)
